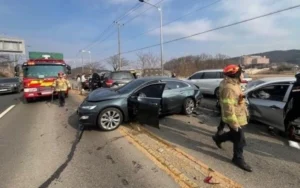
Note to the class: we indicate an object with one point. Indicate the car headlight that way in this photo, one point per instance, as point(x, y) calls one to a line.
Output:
point(13, 85)
point(88, 107)
point(30, 89)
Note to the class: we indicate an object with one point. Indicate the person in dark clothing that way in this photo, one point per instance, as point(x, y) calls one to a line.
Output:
point(292, 107)
point(173, 75)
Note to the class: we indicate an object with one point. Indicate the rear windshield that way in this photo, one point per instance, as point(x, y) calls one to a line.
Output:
point(8, 80)
point(254, 83)
point(131, 86)
point(121, 76)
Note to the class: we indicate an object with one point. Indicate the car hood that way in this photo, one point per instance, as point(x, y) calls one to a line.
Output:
point(103, 94)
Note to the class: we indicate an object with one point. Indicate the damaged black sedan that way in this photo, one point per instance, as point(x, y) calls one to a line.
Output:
point(142, 99)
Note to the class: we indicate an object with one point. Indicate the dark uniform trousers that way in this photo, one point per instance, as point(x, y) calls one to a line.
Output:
point(238, 140)
point(61, 97)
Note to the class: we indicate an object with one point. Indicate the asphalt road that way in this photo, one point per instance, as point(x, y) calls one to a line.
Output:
point(275, 164)
point(41, 146)
point(6, 100)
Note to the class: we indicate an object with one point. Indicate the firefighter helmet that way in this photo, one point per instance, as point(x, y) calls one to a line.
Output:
point(232, 70)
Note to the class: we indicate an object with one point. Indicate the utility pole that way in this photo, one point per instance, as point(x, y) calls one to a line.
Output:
point(119, 43)
point(82, 68)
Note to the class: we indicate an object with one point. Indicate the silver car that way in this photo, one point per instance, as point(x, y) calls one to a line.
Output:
point(267, 98)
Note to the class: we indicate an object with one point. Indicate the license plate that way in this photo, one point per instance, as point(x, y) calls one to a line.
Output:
point(46, 92)
point(3, 89)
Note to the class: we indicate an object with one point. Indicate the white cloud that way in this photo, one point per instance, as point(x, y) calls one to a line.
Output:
point(181, 29)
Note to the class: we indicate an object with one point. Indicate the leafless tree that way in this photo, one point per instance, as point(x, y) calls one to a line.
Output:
point(185, 66)
point(94, 66)
point(113, 61)
point(148, 60)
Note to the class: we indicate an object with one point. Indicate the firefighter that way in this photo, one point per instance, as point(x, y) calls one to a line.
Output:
point(292, 106)
point(222, 124)
point(234, 114)
point(61, 85)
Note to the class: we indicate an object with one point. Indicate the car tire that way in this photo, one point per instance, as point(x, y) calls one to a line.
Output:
point(290, 132)
point(188, 106)
point(104, 117)
point(216, 93)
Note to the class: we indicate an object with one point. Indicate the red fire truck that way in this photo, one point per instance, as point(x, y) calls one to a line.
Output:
point(39, 73)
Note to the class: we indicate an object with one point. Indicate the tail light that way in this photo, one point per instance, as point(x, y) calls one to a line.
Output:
point(244, 81)
point(109, 82)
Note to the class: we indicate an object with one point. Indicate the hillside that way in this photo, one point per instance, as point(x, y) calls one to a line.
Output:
point(279, 56)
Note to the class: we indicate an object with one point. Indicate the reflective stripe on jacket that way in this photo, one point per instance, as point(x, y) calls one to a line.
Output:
point(61, 84)
point(233, 109)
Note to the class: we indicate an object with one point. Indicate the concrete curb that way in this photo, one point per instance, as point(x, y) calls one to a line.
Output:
point(202, 165)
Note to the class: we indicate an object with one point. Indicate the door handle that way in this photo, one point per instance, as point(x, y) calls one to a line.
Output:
point(274, 107)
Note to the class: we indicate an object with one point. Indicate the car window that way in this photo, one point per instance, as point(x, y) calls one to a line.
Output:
point(196, 76)
point(131, 86)
point(152, 91)
point(254, 83)
point(122, 76)
point(9, 80)
point(174, 85)
point(221, 75)
point(271, 92)
point(246, 75)
point(211, 75)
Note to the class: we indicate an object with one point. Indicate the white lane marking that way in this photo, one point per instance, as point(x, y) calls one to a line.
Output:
point(7, 110)
point(294, 144)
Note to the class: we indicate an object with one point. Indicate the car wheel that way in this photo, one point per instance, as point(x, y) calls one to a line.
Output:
point(217, 93)
point(290, 132)
point(188, 106)
point(110, 119)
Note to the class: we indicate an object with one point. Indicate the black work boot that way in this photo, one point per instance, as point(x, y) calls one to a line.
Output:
point(218, 143)
point(220, 132)
point(242, 164)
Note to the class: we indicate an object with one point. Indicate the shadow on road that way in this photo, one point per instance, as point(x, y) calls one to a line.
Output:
point(197, 136)
point(183, 134)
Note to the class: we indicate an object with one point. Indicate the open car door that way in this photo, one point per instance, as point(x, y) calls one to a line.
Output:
point(148, 104)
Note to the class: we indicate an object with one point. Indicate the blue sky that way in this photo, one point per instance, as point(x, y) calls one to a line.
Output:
point(69, 25)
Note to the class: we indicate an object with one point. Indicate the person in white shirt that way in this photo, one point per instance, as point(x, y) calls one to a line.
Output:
point(83, 79)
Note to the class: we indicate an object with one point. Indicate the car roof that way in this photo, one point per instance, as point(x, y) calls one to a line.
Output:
point(210, 70)
point(149, 79)
point(278, 79)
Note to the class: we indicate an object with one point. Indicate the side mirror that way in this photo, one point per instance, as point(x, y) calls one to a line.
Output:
point(189, 78)
point(68, 69)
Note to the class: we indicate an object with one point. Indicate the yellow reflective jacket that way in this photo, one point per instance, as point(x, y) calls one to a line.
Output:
point(234, 110)
point(61, 84)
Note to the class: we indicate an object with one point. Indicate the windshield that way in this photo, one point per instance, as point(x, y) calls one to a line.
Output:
point(8, 80)
point(43, 71)
point(130, 86)
point(254, 83)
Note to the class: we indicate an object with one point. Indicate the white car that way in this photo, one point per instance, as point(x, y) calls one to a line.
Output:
point(209, 80)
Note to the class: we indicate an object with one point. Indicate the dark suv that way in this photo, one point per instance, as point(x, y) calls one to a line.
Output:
point(117, 78)
point(97, 79)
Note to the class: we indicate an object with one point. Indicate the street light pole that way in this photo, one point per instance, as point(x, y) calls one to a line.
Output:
point(82, 69)
point(161, 34)
point(84, 51)
point(119, 43)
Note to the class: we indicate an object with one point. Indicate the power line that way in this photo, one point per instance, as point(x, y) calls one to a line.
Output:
point(214, 29)
point(136, 6)
point(179, 18)
point(130, 20)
